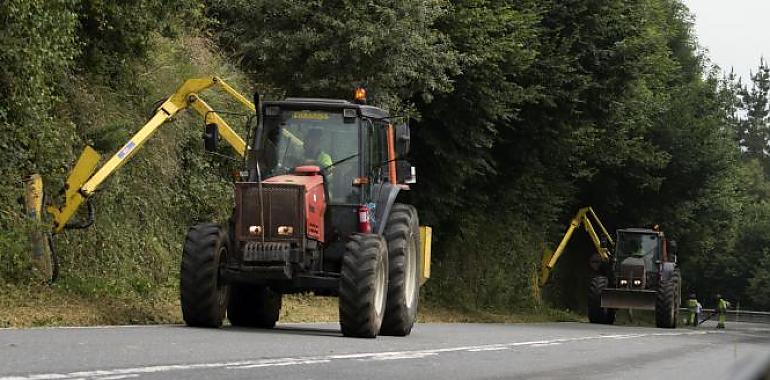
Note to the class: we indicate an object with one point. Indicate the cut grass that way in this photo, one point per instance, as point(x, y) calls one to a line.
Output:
point(33, 306)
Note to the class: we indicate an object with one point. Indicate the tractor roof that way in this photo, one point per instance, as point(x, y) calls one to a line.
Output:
point(331, 104)
point(647, 231)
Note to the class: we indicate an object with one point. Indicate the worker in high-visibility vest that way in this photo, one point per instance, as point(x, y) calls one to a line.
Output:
point(721, 310)
point(315, 154)
point(692, 308)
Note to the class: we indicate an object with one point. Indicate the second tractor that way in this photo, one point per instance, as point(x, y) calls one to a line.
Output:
point(638, 270)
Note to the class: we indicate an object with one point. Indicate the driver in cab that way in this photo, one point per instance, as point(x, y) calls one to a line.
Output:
point(314, 155)
point(639, 252)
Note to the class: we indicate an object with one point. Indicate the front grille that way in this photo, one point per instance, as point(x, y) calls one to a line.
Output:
point(258, 252)
point(632, 271)
point(284, 206)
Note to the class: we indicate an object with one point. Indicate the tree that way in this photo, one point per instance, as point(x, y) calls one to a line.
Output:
point(320, 48)
point(754, 127)
point(759, 285)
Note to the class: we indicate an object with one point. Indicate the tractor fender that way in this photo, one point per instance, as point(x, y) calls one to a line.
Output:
point(384, 195)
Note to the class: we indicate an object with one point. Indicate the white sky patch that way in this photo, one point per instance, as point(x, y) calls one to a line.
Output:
point(734, 32)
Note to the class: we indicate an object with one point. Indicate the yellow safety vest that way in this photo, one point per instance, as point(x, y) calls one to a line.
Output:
point(722, 305)
point(325, 160)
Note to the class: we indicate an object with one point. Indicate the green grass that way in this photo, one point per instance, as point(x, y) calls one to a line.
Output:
point(66, 305)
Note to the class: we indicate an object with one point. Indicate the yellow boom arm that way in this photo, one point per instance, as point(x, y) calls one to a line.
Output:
point(85, 179)
point(583, 217)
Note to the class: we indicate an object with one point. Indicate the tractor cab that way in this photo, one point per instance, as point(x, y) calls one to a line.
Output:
point(638, 253)
point(358, 154)
point(321, 135)
point(320, 170)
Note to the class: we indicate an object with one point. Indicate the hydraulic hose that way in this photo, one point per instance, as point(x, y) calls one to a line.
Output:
point(90, 216)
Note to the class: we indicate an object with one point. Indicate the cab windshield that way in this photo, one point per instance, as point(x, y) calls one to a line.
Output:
point(313, 137)
point(637, 245)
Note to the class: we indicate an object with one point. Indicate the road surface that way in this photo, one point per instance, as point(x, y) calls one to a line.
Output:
point(433, 351)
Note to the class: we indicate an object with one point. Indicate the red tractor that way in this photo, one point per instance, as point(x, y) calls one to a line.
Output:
point(317, 210)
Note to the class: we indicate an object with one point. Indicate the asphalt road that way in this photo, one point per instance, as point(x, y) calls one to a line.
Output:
point(433, 351)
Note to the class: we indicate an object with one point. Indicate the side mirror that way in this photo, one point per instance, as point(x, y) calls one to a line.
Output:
point(405, 173)
point(211, 137)
point(673, 247)
point(403, 140)
point(674, 252)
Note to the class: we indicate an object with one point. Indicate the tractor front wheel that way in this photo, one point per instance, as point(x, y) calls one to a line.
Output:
point(202, 293)
point(363, 286)
point(597, 313)
point(403, 235)
point(667, 302)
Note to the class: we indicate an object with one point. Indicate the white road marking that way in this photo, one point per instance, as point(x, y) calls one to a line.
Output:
point(118, 377)
point(546, 344)
point(493, 348)
point(399, 355)
point(101, 327)
point(121, 373)
point(282, 362)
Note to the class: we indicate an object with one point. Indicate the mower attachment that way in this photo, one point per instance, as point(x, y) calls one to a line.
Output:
point(43, 255)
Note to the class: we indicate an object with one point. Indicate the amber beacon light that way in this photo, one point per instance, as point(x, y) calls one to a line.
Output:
point(360, 95)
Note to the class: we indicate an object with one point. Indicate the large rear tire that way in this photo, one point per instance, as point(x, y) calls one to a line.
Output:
point(667, 302)
point(253, 306)
point(363, 286)
point(202, 294)
point(402, 233)
point(597, 313)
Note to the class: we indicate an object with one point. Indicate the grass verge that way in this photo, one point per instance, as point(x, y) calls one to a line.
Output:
point(32, 306)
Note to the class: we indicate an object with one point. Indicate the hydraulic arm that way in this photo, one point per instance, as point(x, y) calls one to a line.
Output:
point(85, 178)
point(583, 218)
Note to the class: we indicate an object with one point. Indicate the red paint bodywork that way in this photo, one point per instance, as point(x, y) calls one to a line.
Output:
point(315, 200)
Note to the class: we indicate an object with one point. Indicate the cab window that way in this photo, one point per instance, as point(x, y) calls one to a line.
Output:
point(312, 137)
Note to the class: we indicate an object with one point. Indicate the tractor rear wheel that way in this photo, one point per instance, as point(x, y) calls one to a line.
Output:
point(402, 233)
point(667, 302)
point(363, 285)
point(202, 293)
point(253, 306)
point(597, 313)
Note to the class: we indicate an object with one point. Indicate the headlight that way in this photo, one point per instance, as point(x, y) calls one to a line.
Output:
point(623, 282)
point(637, 282)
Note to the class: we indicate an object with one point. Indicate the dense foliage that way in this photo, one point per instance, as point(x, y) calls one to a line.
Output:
point(522, 112)
point(76, 72)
